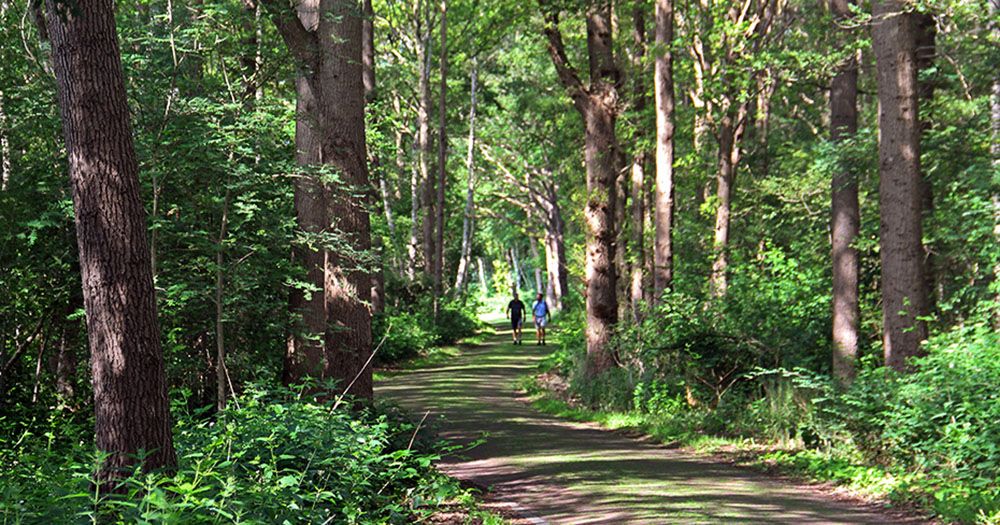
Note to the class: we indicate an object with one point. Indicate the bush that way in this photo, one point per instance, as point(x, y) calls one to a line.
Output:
point(405, 332)
point(274, 459)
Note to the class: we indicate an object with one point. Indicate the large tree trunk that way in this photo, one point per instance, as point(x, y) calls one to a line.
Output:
point(845, 217)
point(904, 294)
point(467, 217)
point(132, 411)
point(326, 39)
point(439, 223)
point(597, 105)
point(663, 251)
point(304, 355)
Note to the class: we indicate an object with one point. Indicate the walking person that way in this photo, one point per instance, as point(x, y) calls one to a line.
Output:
point(515, 312)
point(542, 316)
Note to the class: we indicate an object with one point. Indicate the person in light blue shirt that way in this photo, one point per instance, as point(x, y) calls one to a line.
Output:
point(542, 315)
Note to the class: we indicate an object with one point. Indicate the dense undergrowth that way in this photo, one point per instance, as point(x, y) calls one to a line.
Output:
point(731, 374)
point(274, 456)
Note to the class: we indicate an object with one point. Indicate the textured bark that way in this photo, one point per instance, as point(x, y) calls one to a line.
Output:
point(904, 294)
point(663, 251)
point(368, 48)
point(132, 412)
point(439, 224)
point(468, 218)
point(304, 355)
point(637, 195)
point(325, 36)
point(845, 216)
point(597, 104)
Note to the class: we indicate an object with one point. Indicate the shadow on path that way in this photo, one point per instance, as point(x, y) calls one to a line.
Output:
point(564, 472)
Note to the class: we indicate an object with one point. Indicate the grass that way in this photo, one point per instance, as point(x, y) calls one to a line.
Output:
point(839, 466)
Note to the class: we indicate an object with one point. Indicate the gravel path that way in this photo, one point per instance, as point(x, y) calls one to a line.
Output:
point(548, 470)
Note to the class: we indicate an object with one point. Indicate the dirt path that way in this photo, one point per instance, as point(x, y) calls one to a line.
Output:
point(554, 471)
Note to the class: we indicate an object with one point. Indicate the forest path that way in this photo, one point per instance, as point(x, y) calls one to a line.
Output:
point(554, 471)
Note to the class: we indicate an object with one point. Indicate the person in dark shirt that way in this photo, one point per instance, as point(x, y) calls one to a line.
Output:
point(515, 312)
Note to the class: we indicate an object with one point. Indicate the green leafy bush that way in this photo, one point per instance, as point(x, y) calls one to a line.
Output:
point(276, 458)
point(407, 330)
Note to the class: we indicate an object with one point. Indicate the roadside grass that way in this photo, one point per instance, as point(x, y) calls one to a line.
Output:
point(839, 466)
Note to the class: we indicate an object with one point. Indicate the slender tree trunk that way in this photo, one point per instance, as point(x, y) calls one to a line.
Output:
point(539, 281)
point(845, 219)
point(368, 81)
point(663, 265)
point(483, 285)
point(730, 131)
point(637, 194)
point(926, 51)
point(904, 294)
point(439, 222)
point(221, 373)
point(5, 164)
point(468, 217)
point(132, 411)
point(555, 257)
point(424, 151)
point(368, 48)
point(995, 152)
point(67, 358)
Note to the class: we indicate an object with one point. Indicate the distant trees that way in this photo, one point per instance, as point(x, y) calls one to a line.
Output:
point(132, 412)
point(904, 291)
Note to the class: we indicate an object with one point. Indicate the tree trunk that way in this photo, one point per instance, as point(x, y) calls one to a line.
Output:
point(304, 355)
point(67, 358)
point(326, 40)
point(539, 281)
point(597, 105)
point(995, 153)
point(439, 222)
point(467, 218)
point(730, 132)
point(368, 80)
point(904, 294)
point(5, 164)
point(424, 148)
point(132, 411)
point(663, 265)
point(555, 260)
point(845, 217)
point(926, 51)
point(483, 285)
point(368, 48)
point(221, 373)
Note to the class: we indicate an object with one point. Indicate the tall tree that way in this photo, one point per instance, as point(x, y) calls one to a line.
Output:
point(325, 38)
point(132, 411)
point(637, 194)
point(904, 294)
point(845, 216)
point(663, 251)
point(995, 153)
point(439, 223)
point(468, 218)
point(423, 25)
point(597, 104)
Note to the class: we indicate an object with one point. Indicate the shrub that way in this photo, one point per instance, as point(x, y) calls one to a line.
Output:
point(407, 331)
point(274, 459)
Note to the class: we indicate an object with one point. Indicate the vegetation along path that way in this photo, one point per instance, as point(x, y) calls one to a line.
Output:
point(554, 471)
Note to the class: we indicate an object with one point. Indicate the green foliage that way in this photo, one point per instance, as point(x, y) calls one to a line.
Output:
point(277, 457)
point(408, 330)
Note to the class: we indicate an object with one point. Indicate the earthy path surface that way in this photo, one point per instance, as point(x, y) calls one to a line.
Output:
point(554, 471)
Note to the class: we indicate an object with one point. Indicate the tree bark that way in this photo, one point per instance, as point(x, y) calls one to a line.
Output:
point(730, 135)
point(539, 281)
point(439, 222)
point(132, 411)
point(597, 105)
point(904, 294)
point(424, 143)
point(845, 217)
point(325, 36)
point(483, 285)
point(663, 266)
point(368, 49)
point(468, 217)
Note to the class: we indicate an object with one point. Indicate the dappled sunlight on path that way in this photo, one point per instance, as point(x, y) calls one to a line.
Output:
point(556, 471)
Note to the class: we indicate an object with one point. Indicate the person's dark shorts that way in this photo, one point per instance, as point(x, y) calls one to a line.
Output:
point(516, 322)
